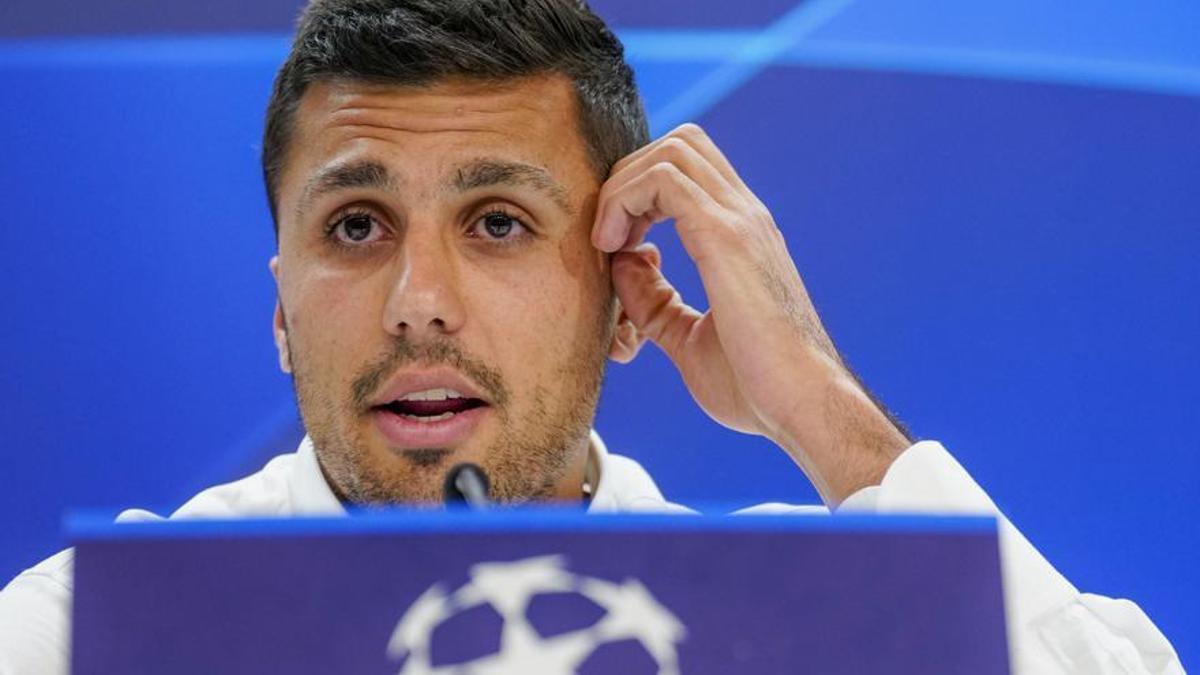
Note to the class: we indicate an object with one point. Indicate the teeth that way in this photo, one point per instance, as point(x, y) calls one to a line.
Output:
point(440, 394)
point(431, 418)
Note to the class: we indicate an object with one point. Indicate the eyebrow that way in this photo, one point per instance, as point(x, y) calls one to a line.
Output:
point(492, 172)
point(347, 176)
point(371, 174)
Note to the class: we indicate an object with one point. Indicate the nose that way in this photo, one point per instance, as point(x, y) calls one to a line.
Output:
point(424, 300)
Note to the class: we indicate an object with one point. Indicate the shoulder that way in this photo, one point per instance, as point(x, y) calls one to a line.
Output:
point(265, 493)
point(621, 484)
point(56, 571)
point(290, 484)
point(35, 607)
point(35, 610)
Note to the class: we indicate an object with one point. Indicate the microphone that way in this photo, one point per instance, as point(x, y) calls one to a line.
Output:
point(466, 484)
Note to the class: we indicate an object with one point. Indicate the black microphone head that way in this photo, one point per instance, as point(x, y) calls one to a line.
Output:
point(466, 483)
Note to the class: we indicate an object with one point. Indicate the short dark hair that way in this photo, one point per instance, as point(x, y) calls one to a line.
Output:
point(419, 42)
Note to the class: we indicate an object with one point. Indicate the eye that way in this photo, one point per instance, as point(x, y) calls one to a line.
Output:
point(356, 228)
point(500, 227)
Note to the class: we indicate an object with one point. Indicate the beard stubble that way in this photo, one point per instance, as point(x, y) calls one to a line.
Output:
point(526, 461)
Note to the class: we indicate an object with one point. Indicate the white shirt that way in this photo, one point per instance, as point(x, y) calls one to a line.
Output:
point(1052, 627)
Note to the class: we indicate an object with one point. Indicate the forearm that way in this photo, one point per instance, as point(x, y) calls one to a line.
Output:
point(839, 436)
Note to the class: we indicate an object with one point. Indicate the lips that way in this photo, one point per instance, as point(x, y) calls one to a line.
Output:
point(404, 432)
point(417, 411)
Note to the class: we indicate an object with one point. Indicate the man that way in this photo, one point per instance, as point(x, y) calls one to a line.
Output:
point(460, 192)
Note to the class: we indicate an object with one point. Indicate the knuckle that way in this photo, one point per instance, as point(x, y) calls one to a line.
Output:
point(676, 147)
point(691, 130)
point(625, 162)
point(665, 171)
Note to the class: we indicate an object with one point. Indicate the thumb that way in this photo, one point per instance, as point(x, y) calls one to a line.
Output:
point(650, 301)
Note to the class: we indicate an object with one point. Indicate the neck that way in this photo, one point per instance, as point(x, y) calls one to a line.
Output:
point(570, 487)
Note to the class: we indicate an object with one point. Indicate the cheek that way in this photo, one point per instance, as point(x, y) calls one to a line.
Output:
point(536, 308)
point(329, 320)
point(588, 276)
point(587, 267)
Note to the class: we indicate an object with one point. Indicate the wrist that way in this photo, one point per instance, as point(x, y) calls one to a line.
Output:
point(838, 435)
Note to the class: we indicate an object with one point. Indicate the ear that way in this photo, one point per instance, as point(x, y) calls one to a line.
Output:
point(279, 323)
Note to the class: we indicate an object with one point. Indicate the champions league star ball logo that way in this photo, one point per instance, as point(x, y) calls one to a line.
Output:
point(627, 614)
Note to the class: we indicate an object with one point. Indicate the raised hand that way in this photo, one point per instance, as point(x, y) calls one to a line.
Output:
point(759, 360)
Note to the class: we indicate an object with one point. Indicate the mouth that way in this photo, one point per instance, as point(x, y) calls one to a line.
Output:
point(432, 405)
point(429, 418)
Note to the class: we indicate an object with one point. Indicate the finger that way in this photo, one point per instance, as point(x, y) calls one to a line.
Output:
point(651, 303)
point(627, 342)
point(638, 228)
point(663, 191)
point(649, 250)
point(628, 339)
point(679, 152)
point(697, 138)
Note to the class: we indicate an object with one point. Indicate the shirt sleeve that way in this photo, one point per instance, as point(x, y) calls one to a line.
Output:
point(35, 613)
point(1052, 627)
point(35, 623)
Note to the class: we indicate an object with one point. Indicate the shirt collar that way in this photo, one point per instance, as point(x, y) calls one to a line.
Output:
point(620, 483)
point(617, 483)
point(311, 494)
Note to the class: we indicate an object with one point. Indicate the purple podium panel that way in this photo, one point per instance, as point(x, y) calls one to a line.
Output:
point(540, 593)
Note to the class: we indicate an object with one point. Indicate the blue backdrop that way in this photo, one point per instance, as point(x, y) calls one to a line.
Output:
point(996, 207)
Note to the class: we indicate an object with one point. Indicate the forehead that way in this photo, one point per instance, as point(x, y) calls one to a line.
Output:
point(422, 133)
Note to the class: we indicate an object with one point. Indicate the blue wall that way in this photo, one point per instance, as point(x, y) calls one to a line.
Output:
point(995, 206)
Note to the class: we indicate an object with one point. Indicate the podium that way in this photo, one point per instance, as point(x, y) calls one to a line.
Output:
point(540, 592)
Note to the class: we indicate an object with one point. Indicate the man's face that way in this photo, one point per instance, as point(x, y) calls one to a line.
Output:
point(440, 300)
